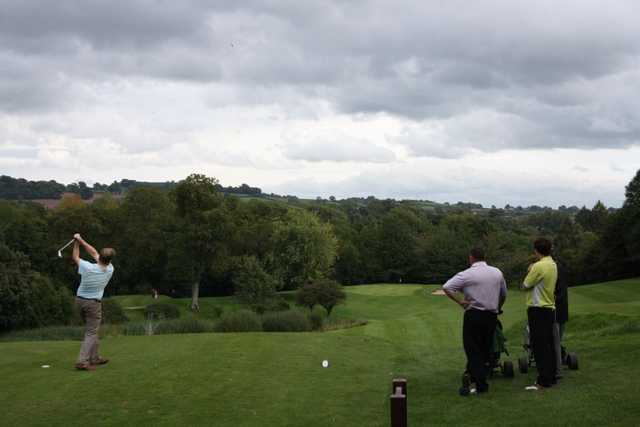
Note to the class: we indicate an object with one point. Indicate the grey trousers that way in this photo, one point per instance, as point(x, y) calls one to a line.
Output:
point(558, 331)
point(91, 312)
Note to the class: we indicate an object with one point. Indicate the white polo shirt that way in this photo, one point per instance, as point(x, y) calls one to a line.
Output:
point(94, 279)
point(481, 284)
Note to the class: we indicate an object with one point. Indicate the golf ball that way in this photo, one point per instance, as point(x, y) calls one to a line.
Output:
point(325, 363)
point(45, 366)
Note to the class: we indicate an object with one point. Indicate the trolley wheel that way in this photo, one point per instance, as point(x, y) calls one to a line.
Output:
point(507, 369)
point(523, 364)
point(572, 361)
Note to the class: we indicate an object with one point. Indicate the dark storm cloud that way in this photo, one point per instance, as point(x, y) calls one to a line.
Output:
point(561, 74)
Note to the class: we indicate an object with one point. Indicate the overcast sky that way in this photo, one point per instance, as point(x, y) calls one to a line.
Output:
point(496, 102)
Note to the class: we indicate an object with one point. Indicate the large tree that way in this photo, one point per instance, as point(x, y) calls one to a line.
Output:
point(305, 249)
point(144, 218)
point(252, 285)
point(200, 226)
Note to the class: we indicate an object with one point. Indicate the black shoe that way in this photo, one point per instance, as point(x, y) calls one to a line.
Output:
point(466, 383)
point(483, 389)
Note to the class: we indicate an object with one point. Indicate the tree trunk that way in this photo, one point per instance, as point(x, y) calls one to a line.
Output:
point(195, 294)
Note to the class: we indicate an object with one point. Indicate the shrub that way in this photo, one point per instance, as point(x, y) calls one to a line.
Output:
point(278, 304)
point(316, 319)
point(253, 286)
point(215, 312)
point(29, 299)
point(161, 310)
point(135, 328)
point(286, 321)
point(184, 326)
point(112, 312)
point(327, 293)
point(274, 304)
point(239, 321)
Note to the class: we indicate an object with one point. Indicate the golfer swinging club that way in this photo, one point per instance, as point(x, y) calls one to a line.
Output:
point(95, 278)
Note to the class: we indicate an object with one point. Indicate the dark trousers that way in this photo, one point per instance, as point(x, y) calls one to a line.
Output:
point(477, 335)
point(541, 335)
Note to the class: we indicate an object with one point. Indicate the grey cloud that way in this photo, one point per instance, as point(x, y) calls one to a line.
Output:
point(103, 24)
point(337, 147)
point(562, 74)
point(468, 185)
point(17, 152)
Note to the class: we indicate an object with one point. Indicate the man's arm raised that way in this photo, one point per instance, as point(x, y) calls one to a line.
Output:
point(75, 254)
point(87, 247)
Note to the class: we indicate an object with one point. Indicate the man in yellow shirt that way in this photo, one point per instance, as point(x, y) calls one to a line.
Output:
point(540, 285)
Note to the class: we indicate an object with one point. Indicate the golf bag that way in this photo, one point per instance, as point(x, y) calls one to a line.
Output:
point(527, 360)
point(498, 347)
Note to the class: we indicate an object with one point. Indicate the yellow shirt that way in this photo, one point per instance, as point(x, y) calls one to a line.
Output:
point(541, 283)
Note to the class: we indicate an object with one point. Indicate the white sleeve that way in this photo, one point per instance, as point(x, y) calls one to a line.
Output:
point(456, 283)
point(83, 267)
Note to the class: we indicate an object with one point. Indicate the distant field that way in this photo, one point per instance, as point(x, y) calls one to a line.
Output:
point(275, 379)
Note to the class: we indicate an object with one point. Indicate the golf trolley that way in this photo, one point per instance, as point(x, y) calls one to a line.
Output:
point(497, 348)
point(524, 362)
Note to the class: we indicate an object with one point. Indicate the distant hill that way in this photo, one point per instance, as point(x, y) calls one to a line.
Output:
point(49, 194)
point(22, 189)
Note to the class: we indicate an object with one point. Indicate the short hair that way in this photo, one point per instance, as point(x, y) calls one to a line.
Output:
point(106, 255)
point(477, 253)
point(542, 246)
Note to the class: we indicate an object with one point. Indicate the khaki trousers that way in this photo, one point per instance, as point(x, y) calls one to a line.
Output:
point(91, 312)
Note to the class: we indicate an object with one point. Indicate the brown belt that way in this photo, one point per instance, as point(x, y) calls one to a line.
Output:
point(89, 299)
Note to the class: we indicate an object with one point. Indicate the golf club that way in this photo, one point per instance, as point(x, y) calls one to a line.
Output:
point(62, 248)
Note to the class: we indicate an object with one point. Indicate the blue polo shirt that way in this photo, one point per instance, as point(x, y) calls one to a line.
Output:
point(94, 279)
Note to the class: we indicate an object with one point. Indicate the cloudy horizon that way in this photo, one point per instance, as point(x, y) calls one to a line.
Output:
point(499, 102)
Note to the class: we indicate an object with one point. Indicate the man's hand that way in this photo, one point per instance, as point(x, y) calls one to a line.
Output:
point(464, 303)
point(90, 249)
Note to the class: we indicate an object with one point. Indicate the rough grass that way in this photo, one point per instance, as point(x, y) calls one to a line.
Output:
point(276, 379)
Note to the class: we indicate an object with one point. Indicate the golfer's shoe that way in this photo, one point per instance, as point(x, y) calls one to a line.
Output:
point(100, 361)
point(484, 389)
point(85, 367)
point(466, 383)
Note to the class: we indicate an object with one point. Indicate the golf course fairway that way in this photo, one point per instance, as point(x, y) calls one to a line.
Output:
point(277, 379)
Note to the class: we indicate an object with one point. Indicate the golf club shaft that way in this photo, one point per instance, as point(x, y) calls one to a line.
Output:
point(65, 246)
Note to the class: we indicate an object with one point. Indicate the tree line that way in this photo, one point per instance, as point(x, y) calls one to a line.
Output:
point(194, 240)
point(22, 189)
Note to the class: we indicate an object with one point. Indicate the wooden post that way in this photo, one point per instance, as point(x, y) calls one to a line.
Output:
point(398, 400)
point(399, 382)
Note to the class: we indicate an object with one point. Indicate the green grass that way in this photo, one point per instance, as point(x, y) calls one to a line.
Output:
point(133, 305)
point(275, 379)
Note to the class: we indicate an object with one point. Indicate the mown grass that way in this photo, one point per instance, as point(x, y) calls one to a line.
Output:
point(275, 379)
point(134, 305)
